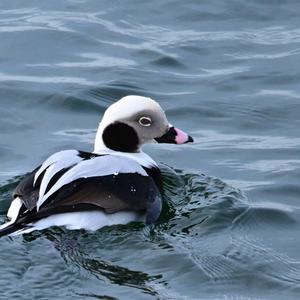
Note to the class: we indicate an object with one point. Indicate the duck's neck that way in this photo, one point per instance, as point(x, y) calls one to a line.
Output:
point(99, 145)
point(139, 156)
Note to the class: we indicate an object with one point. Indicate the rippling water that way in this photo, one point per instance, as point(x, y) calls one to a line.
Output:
point(227, 72)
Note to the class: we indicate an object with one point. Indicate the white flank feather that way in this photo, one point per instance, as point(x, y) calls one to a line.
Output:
point(89, 220)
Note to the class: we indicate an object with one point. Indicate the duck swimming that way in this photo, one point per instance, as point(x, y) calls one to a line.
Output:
point(117, 183)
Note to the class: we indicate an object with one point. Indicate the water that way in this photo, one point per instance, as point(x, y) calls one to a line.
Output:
point(225, 71)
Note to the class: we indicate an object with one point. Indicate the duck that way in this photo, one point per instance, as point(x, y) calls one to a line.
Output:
point(115, 184)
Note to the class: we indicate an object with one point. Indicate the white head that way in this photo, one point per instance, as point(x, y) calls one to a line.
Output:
point(133, 121)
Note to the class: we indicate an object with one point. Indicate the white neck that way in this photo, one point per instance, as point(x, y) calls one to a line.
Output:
point(99, 144)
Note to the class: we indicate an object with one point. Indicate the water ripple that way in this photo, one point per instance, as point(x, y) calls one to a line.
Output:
point(49, 79)
point(268, 166)
point(35, 19)
point(212, 139)
point(265, 55)
point(94, 60)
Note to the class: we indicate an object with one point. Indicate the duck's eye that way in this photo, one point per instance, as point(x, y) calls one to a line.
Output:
point(145, 121)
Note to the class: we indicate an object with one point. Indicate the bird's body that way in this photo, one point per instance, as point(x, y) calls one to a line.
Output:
point(115, 184)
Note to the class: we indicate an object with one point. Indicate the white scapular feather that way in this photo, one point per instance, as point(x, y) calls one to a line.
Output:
point(66, 158)
point(54, 169)
point(98, 166)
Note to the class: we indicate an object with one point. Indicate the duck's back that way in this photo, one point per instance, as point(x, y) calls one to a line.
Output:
point(85, 190)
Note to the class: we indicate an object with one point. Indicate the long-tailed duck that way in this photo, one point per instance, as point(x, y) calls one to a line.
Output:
point(115, 184)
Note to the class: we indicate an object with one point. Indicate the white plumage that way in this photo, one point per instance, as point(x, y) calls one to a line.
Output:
point(90, 220)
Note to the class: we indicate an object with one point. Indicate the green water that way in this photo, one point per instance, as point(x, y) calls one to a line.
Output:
point(226, 72)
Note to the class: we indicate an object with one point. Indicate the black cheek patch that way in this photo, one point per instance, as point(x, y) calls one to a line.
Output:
point(120, 137)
